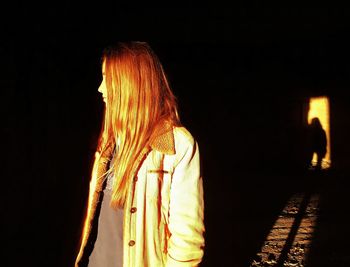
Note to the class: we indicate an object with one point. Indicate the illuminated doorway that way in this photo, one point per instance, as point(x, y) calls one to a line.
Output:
point(319, 111)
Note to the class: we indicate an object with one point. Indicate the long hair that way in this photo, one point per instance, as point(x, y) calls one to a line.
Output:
point(138, 98)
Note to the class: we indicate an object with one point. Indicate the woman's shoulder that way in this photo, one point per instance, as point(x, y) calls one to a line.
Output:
point(183, 136)
point(186, 146)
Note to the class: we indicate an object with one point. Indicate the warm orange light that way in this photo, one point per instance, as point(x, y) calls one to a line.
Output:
point(290, 238)
point(319, 108)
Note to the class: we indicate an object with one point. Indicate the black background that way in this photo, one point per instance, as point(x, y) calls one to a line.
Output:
point(242, 76)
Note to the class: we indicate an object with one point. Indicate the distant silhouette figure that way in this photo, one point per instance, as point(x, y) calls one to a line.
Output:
point(317, 142)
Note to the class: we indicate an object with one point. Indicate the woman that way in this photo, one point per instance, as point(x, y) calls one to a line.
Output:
point(145, 204)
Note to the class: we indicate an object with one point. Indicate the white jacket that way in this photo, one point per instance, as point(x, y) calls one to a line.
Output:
point(164, 210)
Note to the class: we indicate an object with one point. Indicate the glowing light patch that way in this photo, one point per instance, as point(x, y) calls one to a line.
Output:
point(319, 108)
point(290, 238)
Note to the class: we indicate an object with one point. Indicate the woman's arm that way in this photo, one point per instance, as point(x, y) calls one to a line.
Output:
point(186, 211)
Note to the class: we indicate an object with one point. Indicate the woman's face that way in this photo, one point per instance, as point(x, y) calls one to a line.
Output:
point(103, 88)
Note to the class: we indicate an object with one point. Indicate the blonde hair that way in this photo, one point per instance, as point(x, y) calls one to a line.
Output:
point(138, 98)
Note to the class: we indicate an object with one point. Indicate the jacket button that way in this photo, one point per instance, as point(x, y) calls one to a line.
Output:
point(135, 178)
point(133, 210)
point(131, 243)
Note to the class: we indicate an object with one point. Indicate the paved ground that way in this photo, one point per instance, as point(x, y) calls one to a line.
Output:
point(290, 238)
point(312, 229)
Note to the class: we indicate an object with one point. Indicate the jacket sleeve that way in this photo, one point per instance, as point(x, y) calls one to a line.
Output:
point(186, 210)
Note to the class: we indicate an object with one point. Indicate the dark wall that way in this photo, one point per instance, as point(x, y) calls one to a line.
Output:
point(242, 77)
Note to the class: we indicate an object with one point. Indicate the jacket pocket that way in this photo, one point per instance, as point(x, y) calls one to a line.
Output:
point(154, 183)
point(163, 241)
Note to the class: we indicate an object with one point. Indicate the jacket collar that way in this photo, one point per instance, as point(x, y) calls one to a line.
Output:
point(162, 138)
